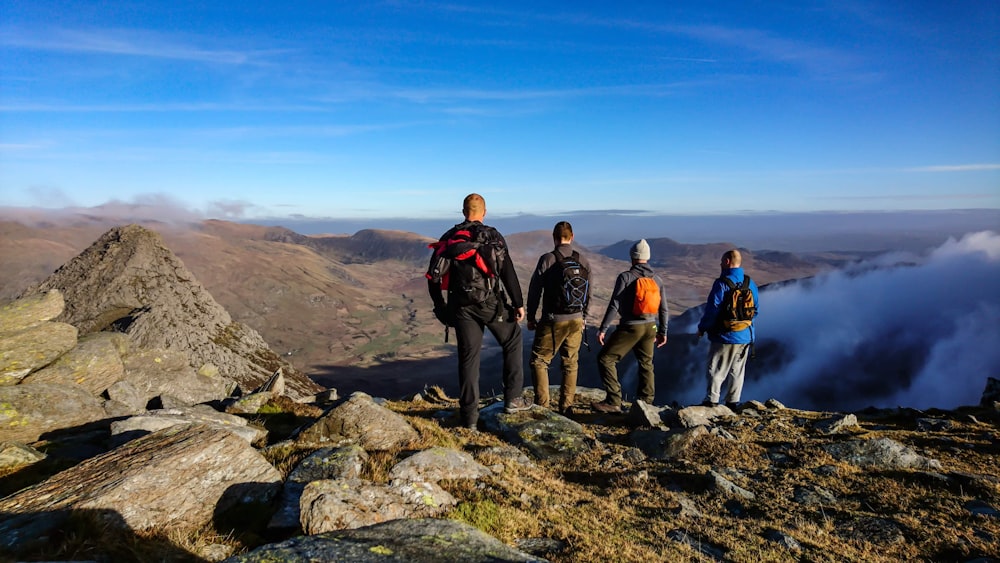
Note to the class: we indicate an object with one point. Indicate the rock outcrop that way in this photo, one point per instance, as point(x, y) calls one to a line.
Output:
point(13, 454)
point(883, 453)
point(360, 420)
point(179, 477)
point(547, 435)
point(128, 281)
point(29, 411)
point(151, 421)
point(95, 363)
point(991, 395)
point(412, 541)
point(29, 340)
point(437, 464)
point(323, 464)
point(155, 372)
point(354, 503)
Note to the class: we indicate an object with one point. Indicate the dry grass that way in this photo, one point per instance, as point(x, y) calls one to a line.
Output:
point(608, 505)
point(605, 509)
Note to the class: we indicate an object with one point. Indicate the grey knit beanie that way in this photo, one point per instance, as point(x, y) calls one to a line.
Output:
point(640, 250)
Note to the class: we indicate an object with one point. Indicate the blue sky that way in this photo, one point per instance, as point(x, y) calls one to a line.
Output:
point(376, 109)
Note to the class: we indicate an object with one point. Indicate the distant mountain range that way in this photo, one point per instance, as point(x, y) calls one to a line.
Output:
point(818, 231)
point(352, 311)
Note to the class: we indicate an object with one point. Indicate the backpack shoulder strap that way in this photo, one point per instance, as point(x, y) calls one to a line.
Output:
point(746, 282)
point(484, 233)
point(728, 282)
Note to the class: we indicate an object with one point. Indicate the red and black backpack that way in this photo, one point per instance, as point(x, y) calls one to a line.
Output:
point(466, 262)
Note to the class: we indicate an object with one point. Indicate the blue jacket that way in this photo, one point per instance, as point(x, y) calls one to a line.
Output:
point(712, 304)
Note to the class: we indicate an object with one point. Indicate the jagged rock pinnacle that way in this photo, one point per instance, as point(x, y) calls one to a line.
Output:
point(129, 281)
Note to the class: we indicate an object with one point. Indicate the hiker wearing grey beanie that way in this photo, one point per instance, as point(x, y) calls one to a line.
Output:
point(640, 250)
point(640, 299)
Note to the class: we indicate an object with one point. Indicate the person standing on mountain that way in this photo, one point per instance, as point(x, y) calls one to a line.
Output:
point(561, 282)
point(472, 264)
point(640, 299)
point(728, 319)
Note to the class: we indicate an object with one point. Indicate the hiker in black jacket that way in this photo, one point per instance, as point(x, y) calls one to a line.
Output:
point(472, 264)
point(565, 299)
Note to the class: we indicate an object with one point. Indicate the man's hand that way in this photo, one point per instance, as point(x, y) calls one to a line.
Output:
point(519, 314)
point(600, 338)
point(442, 315)
point(661, 339)
point(532, 324)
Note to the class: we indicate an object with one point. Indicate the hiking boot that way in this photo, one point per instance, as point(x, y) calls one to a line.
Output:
point(566, 411)
point(733, 405)
point(454, 420)
point(517, 405)
point(606, 407)
point(709, 404)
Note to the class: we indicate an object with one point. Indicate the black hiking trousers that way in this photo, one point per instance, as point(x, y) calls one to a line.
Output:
point(471, 322)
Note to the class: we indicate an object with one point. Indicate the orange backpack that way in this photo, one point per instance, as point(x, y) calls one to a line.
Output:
point(647, 297)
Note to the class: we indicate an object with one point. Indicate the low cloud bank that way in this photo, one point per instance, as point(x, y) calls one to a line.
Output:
point(152, 207)
point(915, 331)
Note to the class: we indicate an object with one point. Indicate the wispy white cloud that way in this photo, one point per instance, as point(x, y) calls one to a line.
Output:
point(21, 146)
point(137, 43)
point(909, 197)
point(158, 107)
point(954, 168)
point(230, 209)
point(452, 94)
point(158, 154)
point(816, 59)
point(305, 130)
point(324, 103)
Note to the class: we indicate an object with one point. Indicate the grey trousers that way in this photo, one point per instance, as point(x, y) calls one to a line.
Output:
point(726, 365)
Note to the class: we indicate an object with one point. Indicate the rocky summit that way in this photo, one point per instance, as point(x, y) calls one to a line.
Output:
point(129, 282)
point(130, 430)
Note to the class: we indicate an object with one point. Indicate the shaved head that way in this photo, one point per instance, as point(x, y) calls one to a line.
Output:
point(474, 207)
point(734, 257)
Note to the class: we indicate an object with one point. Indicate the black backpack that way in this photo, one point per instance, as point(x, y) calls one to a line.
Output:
point(467, 262)
point(569, 284)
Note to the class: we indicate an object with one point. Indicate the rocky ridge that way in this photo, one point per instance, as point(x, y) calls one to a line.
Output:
point(129, 282)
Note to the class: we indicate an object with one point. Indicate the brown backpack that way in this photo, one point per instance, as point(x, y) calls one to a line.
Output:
point(738, 308)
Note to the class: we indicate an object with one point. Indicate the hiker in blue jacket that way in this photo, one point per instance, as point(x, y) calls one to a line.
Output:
point(729, 349)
